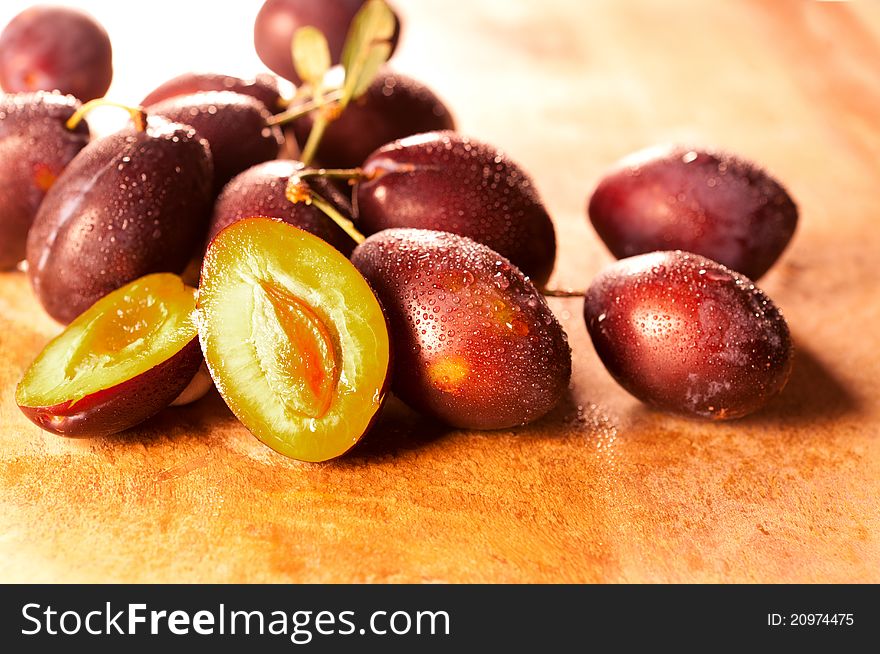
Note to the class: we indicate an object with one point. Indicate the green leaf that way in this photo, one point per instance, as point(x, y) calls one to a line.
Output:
point(367, 47)
point(311, 55)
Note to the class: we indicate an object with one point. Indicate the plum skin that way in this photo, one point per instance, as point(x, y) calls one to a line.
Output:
point(56, 48)
point(277, 21)
point(35, 147)
point(124, 405)
point(260, 191)
point(90, 235)
point(687, 335)
point(234, 124)
point(263, 87)
point(448, 182)
point(394, 106)
point(475, 344)
point(709, 203)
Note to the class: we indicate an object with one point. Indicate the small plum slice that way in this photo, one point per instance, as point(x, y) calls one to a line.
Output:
point(130, 204)
point(46, 48)
point(710, 203)
point(263, 87)
point(233, 124)
point(475, 344)
point(687, 335)
point(394, 106)
point(448, 182)
point(294, 338)
point(261, 191)
point(35, 147)
point(123, 360)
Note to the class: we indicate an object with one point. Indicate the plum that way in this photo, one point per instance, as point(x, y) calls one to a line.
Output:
point(475, 344)
point(123, 360)
point(688, 335)
point(710, 203)
point(448, 182)
point(279, 19)
point(394, 106)
point(263, 87)
point(130, 204)
point(56, 48)
point(260, 191)
point(35, 146)
point(233, 124)
point(294, 338)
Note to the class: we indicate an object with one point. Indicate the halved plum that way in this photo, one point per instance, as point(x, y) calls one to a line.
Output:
point(294, 338)
point(123, 360)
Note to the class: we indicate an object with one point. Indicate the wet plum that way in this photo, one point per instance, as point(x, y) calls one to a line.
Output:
point(260, 191)
point(279, 19)
point(35, 146)
point(294, 338)
point(475, 344)
point(688, 335)
point(709, 203)
point(123, 360)
point(263, 87)
point(395, 106)
point(456, 184)
point(56, 48)
point(132, 203)
point(233, 124)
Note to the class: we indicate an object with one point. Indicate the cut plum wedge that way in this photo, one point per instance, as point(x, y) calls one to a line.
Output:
point(294, 338)
point(123, 360)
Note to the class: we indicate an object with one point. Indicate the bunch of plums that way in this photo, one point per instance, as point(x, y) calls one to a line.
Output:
point(304, 322)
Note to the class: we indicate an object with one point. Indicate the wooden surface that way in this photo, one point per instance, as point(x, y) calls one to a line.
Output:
point(603, 490)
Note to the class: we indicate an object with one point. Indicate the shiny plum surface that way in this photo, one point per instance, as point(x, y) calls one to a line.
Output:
point(710, 203)
point(475, 344)
point(56, 48)
point(448, 182)
point(35, 147)
point(687, 335)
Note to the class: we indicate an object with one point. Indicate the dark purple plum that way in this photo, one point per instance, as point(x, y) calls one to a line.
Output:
point(709, 203)
point(260, 191)
point(132, 203)
point(35, 146)
point(47, 48)
point(395, 106)
point(453, 183)
point(475, 344)
point(688, 335)
point(279, 19)
point(233, 124)
point(263, 87)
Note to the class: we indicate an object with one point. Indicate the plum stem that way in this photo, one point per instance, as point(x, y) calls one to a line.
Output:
point(138, 116)
point(560, 292)
point(349, 174)
point(298, 191)
point(303, 109)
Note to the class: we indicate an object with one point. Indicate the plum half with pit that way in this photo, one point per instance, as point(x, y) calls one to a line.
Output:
point(35, 147)
point(294, 338)
point(475, 344)
point(706, 202)
point(123, 360)
point(130, 204)
point(452, 183)
point(235, 126)
point(46, 48)
point(687, 335)
point(394, 106)
point(277, 21)
point(261, 191)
